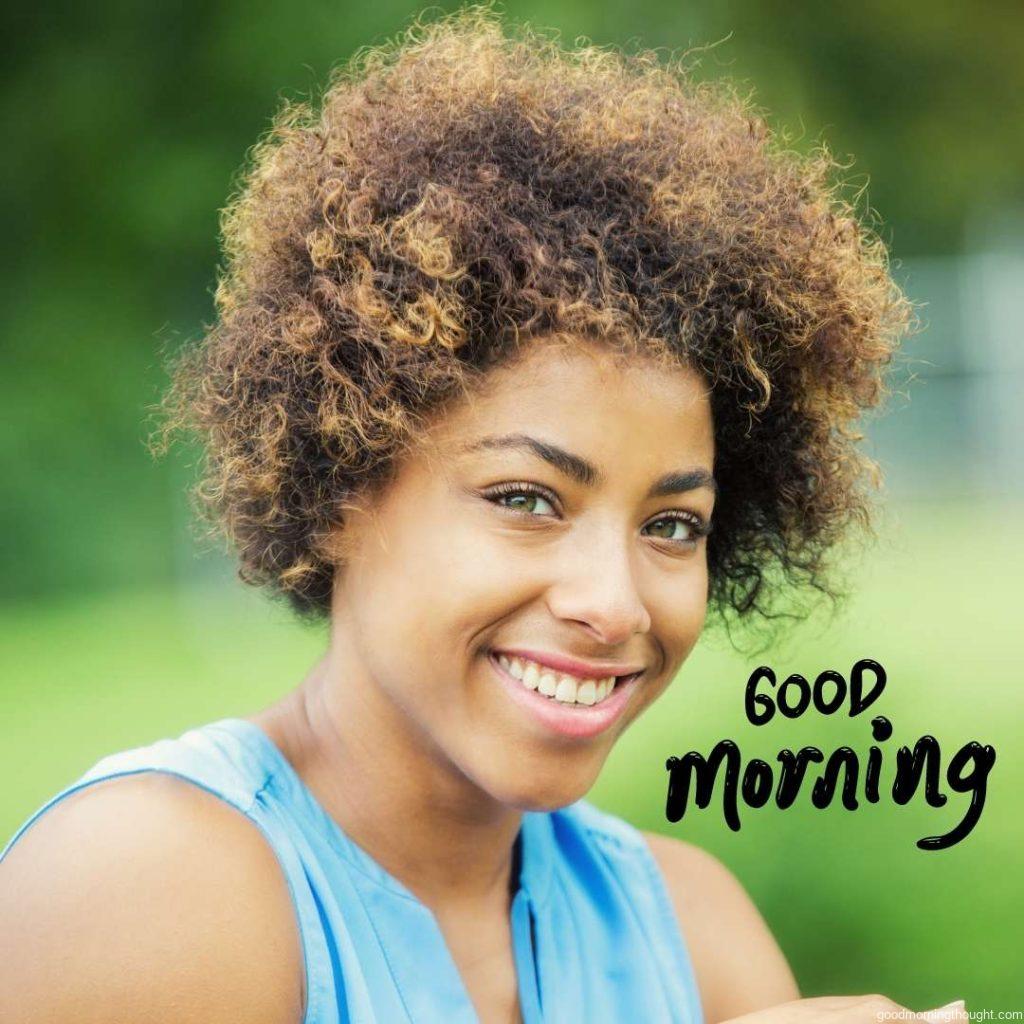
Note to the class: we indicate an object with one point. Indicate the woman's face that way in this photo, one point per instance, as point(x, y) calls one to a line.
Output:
point(558, 514)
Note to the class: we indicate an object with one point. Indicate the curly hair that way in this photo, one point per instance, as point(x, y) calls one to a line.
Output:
point(464, 188)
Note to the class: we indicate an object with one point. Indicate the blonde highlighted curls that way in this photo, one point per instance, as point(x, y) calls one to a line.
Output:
point(467, 187)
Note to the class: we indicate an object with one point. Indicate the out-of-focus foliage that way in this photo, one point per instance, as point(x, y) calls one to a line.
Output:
point(124, 126)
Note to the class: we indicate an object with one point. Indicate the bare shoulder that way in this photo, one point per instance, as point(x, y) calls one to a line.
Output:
point(145, 898)
point(738, 963)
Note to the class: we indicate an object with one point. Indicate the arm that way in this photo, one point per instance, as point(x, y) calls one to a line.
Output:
point(142, 899)
point(738, 963)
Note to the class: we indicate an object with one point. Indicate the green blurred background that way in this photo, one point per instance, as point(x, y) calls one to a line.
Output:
point(125, 127)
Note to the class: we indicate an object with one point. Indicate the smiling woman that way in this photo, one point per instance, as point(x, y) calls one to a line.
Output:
point(526, 360)
point(553, 551)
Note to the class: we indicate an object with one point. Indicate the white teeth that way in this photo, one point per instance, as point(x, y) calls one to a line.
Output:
point(547, 684)
point(531, 676)
point(565, 688)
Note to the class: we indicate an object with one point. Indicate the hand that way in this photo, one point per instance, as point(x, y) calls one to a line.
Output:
point(872, 1009)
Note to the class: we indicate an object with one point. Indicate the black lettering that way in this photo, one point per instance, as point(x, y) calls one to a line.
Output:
point(754, 701)
point(757, 783)
point(824, 788)
point(926, 757)
point(793, 768)
point(820, 704)
point(858, 702)
point(679, 770)
point(983, 757)
point(803, 696)
point(881, 729)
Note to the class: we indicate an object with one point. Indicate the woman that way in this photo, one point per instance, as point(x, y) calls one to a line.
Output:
point(525, 359)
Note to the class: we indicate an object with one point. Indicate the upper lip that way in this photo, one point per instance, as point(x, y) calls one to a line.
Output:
point(572, 666)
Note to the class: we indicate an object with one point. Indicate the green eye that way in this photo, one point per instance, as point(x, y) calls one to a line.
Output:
point(695, 528)
point(528, 499)
point(521, 497)
point(525, 502)
point(670, 523)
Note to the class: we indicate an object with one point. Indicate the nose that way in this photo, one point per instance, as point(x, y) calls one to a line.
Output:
point(599, 590)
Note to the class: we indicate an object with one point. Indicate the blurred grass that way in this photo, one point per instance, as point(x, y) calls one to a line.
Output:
point(856, 906)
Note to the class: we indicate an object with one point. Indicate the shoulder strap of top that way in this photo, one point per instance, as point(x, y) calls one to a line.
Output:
point(637, 870)
point(198, 755)
point(214, 758)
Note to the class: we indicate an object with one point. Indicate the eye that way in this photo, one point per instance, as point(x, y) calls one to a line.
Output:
point(683, 529)
point(690, 528)
point(520, 497)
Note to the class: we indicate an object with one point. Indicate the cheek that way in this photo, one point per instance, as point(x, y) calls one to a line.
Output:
point(423, 602)
point(465, 574)
point(680, 612)
point(677, 622)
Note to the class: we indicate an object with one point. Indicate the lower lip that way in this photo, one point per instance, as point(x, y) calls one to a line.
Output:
point(578, 721)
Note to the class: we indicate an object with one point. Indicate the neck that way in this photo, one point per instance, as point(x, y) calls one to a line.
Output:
point(390, 790)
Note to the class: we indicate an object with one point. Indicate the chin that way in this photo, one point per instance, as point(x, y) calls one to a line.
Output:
point(548, 794)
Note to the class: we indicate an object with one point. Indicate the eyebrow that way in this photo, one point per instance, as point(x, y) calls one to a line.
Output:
point(586, 473)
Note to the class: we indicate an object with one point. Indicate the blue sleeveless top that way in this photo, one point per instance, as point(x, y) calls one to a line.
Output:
point(594, 932)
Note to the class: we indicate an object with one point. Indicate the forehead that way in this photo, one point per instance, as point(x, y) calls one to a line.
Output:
point(602, 401)
point(565, 362)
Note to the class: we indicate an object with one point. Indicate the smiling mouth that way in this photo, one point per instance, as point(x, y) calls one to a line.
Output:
point(560, 687)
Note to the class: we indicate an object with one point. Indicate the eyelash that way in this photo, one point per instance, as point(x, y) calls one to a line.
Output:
point(698, 525)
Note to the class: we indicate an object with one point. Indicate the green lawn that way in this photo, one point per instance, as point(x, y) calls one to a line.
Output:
point(855, 904)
